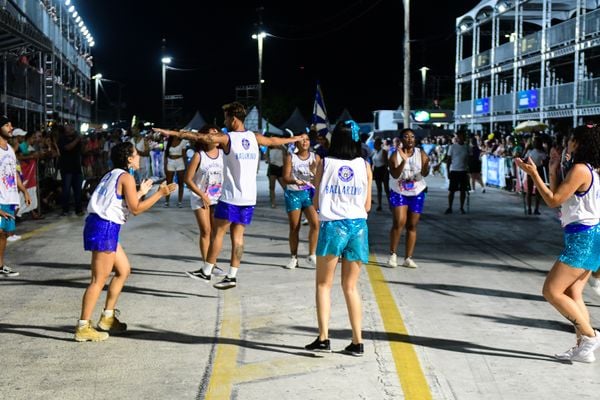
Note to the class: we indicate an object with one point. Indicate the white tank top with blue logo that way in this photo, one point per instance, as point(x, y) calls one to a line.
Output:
point(301, 171)
point(583, 208)
point(209, 176)
point(241, 163)
point(343, 189)
point(105, 201)
point(410, 182)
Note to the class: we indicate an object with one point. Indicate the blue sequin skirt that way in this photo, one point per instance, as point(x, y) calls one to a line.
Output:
point(348, 238)
point(100, 234)
point(582, 247)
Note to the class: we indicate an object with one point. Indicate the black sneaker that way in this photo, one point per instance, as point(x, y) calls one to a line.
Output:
point(198, 275)
point(322, 346)
point(462, 211)
point(356, 350)
point(226, 283)
point(448, 211)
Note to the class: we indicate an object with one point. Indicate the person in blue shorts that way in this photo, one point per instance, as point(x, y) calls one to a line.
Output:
point(578, 196)
point(409, 166)
point(298, 175)
point(10, 186)
point(343, 194)
point(238, 195)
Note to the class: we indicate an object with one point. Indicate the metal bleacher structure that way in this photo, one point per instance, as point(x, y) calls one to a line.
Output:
point(45, 69)
point(527, 60)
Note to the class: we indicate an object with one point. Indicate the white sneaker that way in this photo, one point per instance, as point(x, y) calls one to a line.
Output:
point(594, 284)
point(8, 271)
point(13, 238)
point(292, 264)
point(312, 260)
point(584, 351)
point(568, 355)
point(393, 260)
point(409, 263)
point(304, 221)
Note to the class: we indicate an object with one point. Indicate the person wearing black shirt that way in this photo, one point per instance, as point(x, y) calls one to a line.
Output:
point(70, 147)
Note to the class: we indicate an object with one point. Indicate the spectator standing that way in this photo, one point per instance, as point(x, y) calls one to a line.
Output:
point(538, 155)
point(457, 159)
point(70, 147)
point(381, 174)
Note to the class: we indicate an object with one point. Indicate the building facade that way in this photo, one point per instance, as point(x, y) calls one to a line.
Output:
point(46, 63)
point(522, 60)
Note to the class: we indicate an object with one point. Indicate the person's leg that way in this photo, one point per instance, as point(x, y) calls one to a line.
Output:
point(450, 199)
point(529, 193)
point(237, 244)
point(294, 233)
point(102, 265)
point(412, 220)
point(463, 196)
point(2, 247)
point(378, 184)
point(170, 175)
point(560, 278)
point(220, 229)
point(575, 291)
point(76, 184)
point(122, 270)
point(386, 187)
point(66, 190)
point(203, 218)
point(313, 229)
point(272, 179)
point(180, 177)
point(350, 275)
point(324, 281)
point(398, 222)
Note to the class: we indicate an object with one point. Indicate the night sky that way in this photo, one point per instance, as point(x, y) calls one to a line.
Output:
point(354, 49)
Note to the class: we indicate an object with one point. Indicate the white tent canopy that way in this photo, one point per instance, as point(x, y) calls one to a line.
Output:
point(195, 123)
point(251, 123)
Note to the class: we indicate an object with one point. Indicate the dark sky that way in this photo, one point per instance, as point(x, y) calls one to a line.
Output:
point(354, 48)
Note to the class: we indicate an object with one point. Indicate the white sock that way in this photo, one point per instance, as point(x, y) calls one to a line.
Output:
point(233, 272)
point(108, 313)
point(82, 322)
point(207, 268)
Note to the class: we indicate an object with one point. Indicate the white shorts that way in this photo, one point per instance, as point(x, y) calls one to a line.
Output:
point(196, 202)
point(175, 165)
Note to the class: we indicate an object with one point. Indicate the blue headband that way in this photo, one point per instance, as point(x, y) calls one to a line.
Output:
point(355, 129)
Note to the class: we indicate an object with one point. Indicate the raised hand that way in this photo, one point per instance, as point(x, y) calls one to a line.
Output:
point(527, 166)
point(145, 186)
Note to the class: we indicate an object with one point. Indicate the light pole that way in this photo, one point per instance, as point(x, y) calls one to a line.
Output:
point(406, 119)
point(424, 85)
point(164, 61)
point(96, 79)
point(259, 37)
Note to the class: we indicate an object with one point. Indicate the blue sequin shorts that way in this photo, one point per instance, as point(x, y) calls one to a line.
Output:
point(297, 199)
point(100, 234)
point(348, 238)
point(7, 225)
point(582, 247)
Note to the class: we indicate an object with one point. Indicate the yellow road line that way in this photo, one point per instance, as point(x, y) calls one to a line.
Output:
point(410, 373)
point(220, 385)
point(39, 230)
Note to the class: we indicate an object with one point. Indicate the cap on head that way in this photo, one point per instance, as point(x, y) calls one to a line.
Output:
point(19, 132)
point(4, 120)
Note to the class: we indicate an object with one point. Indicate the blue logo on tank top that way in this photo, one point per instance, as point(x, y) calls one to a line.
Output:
point(245, 144)
point(345, 173)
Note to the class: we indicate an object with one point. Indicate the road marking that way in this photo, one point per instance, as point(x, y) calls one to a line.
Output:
point(413, 382)
point(42, 229)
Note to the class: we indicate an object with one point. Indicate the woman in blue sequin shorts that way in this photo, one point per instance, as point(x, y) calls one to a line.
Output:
point(578, 195)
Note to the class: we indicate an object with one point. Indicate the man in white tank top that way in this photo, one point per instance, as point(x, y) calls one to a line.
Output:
point(238, 199)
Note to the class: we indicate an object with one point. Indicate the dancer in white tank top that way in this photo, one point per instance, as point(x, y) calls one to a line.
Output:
point(204, 178)
point(343, 185)
point(114, 198)
point(175, 164)
point(298, 175)
point(409, 166)
point(579, 196)
point(236, 206)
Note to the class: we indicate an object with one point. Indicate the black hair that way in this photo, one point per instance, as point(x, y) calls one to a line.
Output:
point(200, 146)
point(588, 145)
point(342, 145)
point(120, 153)
point(235, 109)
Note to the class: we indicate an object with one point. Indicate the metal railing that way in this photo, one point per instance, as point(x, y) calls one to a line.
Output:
point(589, 92)
point(504, 52)
point(502, 103)
point(559, 96)
point(561, 34)
point(591, 23)
point(463, 108)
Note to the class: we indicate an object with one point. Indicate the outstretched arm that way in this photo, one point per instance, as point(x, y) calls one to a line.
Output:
point(211, 138)
point(277, 141)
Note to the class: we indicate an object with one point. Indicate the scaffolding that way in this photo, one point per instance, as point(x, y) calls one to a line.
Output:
point(527, 59)
point(46, 64)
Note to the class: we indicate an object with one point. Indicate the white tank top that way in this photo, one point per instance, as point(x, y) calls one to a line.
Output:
point(9, 192)
point(377, 158)
point(343, 189)
point(105, 201)
point(410, 182)
point(209, 176)
point(241, 163)
point(583, 208)
point(301, 171)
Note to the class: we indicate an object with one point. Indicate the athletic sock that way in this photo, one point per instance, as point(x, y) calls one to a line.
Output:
point(233, 272)
point(207, 268)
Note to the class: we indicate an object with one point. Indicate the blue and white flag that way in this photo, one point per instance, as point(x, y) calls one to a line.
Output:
point(319, 116)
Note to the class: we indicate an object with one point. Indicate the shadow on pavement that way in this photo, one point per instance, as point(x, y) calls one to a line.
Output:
point(442, 289)
point(527, 322)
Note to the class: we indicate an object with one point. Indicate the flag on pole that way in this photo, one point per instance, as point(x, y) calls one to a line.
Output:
point(319, 116)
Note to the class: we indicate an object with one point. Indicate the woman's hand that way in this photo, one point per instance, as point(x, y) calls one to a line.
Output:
point(166, 190)
point(205, 201)
point(402, 154)
point(528, 166)
point(145, 186)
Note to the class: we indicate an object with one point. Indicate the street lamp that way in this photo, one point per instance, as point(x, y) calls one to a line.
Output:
point(406, 119)
point(259, 37)
point(423, 82)
point(164, 61)
point(96, 79)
